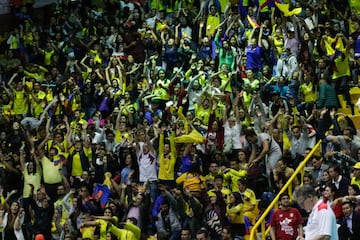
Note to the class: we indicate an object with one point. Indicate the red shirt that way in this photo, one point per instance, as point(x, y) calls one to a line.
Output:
point(285, 223)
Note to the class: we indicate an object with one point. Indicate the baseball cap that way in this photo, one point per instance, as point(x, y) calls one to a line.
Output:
point(357, 166)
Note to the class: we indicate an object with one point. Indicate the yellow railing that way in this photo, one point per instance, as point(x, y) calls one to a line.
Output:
point(288, 186)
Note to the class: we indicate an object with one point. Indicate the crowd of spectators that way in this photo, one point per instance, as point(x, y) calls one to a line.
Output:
point(168, 119)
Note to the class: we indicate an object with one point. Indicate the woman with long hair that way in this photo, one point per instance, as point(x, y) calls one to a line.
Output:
point(130, 172)
point(234, 211)
point(353, 196)
point(11, 222)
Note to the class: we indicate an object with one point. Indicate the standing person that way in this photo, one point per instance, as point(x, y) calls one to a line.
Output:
point(43, 215)
point(321, 222)
point(253, 51)
point(147, 165)
point(327, 96)
point(339, 180)
point(52, 165)
point(349, 224)
point(286, 223)
point(167, 157)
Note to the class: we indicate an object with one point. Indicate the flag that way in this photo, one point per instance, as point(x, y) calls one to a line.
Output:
point(107, 180)
point(269, 3)
point(60, 158)
point(101, 192)
point(333, 46)
point(193, 137)
point(284, 8)
point(252, 22)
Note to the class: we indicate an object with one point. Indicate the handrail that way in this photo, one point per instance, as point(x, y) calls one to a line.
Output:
point(282, 190)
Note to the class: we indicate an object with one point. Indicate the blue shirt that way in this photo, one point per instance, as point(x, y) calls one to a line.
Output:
point(253, 57)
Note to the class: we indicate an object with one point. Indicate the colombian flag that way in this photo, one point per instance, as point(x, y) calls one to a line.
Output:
point(101, 192)
point(252, 22)
point(333, 46)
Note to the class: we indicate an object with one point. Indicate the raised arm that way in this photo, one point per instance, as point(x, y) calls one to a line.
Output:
point(22, 159)
point(260, 36)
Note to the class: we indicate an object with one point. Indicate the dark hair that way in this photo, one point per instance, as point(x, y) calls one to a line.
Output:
point(356, 188)
point(109, 208)
point(219, 177)
point(336, 168)
point(332, 187)
point(109, 131)
point(203, 231)
point(229, 229)
point(242, 181)
point(243, 150)
point(238, 198)
point(133, 220)
point(249, 132)
point(285, 194)
point(351, 130)
point(308, 175)
point(34, 168)
point(165, 201)
point(350, 203)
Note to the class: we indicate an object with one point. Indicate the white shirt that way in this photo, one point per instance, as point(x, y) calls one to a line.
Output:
point(18, 233)
point(130, 5)
point(322, 221)
point(97, 138)
point(233, 134)
point(147, 165)
point(337, 183)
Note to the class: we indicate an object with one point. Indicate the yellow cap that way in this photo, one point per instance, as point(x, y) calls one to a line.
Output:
point(357, 165)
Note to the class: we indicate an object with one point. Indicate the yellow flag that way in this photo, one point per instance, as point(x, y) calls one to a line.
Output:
point(333, 44)
point(284, 8)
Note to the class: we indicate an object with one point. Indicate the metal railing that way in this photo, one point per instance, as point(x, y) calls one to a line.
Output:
point(288, 186)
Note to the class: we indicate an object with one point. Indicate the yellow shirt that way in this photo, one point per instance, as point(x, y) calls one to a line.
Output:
point(355, 181)
point(211, 24)
point(355, 6)
point(20, 102)
point(64, 212)
point(77, 168)
point(119, 136)
point(342, 66)
point(33, 179)
point(87, 232)
point(192, 182)
point(249, 199)
point(310, 95)
point(234, 176)
point(38, 107)
point(224, 80)
point(123, 234)
point(167, 165)
point(51, 144)
point(52, 170)
point(202, 114)
point(102, 226)
point(235, 213)
point(47, 57)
